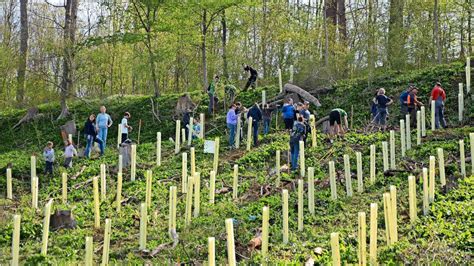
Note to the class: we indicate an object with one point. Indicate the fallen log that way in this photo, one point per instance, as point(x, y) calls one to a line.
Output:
point(304, 94)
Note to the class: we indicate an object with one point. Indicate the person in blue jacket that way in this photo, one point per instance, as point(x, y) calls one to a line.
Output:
point(103, 122)
point(256, 115)
point(288, 112)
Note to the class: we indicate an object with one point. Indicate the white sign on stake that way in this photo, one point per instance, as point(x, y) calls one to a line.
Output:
point(209, 146)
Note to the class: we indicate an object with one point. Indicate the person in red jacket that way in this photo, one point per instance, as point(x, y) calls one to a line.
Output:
point(439, 96)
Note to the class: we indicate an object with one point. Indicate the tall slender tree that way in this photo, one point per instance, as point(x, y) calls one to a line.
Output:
point(23, 53)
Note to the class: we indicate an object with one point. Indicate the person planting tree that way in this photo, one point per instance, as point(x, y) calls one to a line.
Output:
point(335, 122)
point(413, 104)
point(252, 78)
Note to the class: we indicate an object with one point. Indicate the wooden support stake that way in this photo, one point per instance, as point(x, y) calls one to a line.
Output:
point(119, 135)
point(172, 209)
point(373, 234)
point(95, 187)
point(412, 198)
point(423, 121)
point(347, 175)
point(432, 182)
point(442, 175)
point(9, 184)
point(418, 128)
point(202, 118)
point(235, 182)
point(300, 204)
point(120, 163)
point(106, 245)
point(64, 183)
point(211, 253)
point(408, 131)
point(33, 167)
point(184, 172)
point(311, 189)
point(462, 157)
point(362, 236)
point(336, 257)
point(190, 131)
point(238, 133)
point(277, 166)
point(34, 188)
point(360, 174)
point(291, 74)
point(249, 133)
point(212, 187)
point(229, 225)
point(139, 130)
point(158, 148)
point(265, 229)
point(312, 122)
point(285, 216)
point(133, 162)
point(143, 225)
point(197, 194)
point(280, 81)
point(264, 98)
point(119, 192)
point(103, 184)
point(189, 201)
point(183, 136)
point(402, 138)
point(215, 165)
point(387, 217)
point(148, 193)
point(372, 164)
point(332, 180)
point(177, 146)
point(89, 257)
point(468, 74)
point(471, 141)
point(302, 159)
point(392, 150)
point(460, 102)
point(433, 121)
point(47, 213)
point(426, 201)
point(385, 156)
point(16, 240)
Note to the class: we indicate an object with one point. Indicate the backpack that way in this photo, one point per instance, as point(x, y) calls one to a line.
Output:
point(404, 97)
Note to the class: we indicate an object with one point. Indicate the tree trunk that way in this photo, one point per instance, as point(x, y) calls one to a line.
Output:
point(20, 92)
point(224, 46)
point(67, 82)
point(330, 10)
point(396, 36)
point(326, 33)
point(341, 19)
point(203, 49)
point(436, 31)
point(156, 88)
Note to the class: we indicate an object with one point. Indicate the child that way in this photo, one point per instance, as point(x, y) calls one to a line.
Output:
point(48, 154)
point(196, 128)
point(69, 152)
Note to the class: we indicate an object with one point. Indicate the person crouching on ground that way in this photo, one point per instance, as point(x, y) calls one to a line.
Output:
point(125, 126)
point(296, 134)
point(69, 152)
point(48, 154)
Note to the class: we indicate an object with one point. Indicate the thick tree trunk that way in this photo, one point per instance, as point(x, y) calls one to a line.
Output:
point(203, 49)
point(396, 36)
point(224, 46)
point(304, 94)
point(341, 20)
point(67, 81)
point(20, 92)
point(436, 31)
point(330, 10)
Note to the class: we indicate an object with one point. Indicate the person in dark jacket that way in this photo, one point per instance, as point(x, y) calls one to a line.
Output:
point(256, 114)
point(186, 118)
point(253, 77)
point(267, 117)
point(297, 133)
point(90, 132)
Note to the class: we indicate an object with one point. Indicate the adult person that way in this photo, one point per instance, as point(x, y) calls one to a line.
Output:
point(230, 92)
point(103, 122)
point(403, 101)
point(256, 114)
point(90, 130)
point(382, 102)
point(336, 116)
point(413, 103)
point(296, 134)
point(252, 78)
point(125, 126)
point(241, 111)
point(185, 121)
point(304, 112)
point(231, 120)
point(211, 91)
point(288, 113)
point(439, 96)
point(267, 117)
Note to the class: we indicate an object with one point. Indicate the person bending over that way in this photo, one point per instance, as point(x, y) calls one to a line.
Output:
point(336, 116)
point(253, 77)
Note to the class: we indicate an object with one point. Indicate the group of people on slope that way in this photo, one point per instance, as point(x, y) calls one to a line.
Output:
point(409, 104)
point(229, 89)
point(95, 131)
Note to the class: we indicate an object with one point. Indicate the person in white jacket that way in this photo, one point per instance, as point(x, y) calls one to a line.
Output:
point(69, 152)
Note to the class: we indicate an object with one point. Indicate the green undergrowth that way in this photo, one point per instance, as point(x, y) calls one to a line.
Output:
point(443, 236)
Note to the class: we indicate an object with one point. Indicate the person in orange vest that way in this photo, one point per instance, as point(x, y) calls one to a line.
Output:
point(413, 104)
point(439, 96)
